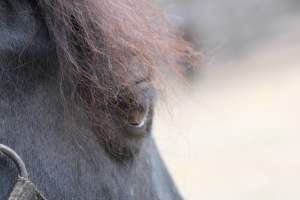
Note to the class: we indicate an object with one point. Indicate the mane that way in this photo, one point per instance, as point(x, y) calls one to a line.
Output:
point(105, 47)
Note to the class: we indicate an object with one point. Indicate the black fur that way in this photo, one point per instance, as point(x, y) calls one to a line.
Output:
point(63, 162)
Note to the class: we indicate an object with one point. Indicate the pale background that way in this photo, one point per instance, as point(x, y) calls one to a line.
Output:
point(234, 133)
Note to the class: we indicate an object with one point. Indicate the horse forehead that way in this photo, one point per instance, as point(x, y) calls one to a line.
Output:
point(25, 56)
point(18, 24)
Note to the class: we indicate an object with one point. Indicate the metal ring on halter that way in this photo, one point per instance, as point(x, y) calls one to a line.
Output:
point(11, 154)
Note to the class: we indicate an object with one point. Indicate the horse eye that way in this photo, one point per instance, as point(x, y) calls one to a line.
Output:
point(137, 117)
point(134, 109)
point(134, 116)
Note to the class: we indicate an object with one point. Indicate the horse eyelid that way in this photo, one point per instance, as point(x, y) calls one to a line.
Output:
point(142, 123)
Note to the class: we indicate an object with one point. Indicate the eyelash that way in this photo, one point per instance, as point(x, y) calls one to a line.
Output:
point(135, 109)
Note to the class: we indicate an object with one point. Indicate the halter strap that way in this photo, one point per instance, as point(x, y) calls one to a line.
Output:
point(24, 189)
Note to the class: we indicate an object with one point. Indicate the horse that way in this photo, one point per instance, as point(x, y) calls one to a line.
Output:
point(78, 85)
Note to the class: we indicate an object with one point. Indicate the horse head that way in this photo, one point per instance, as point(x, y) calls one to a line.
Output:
point(77, 95)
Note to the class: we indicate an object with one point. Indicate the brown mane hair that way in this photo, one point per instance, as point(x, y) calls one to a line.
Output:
point(105, 47)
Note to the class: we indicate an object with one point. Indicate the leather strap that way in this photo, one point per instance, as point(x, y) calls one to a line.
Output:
point(25, 190)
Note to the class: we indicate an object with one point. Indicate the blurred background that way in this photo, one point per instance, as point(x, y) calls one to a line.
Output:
point(233, 131)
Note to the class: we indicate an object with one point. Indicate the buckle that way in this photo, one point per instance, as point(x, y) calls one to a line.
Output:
point(12, 155)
